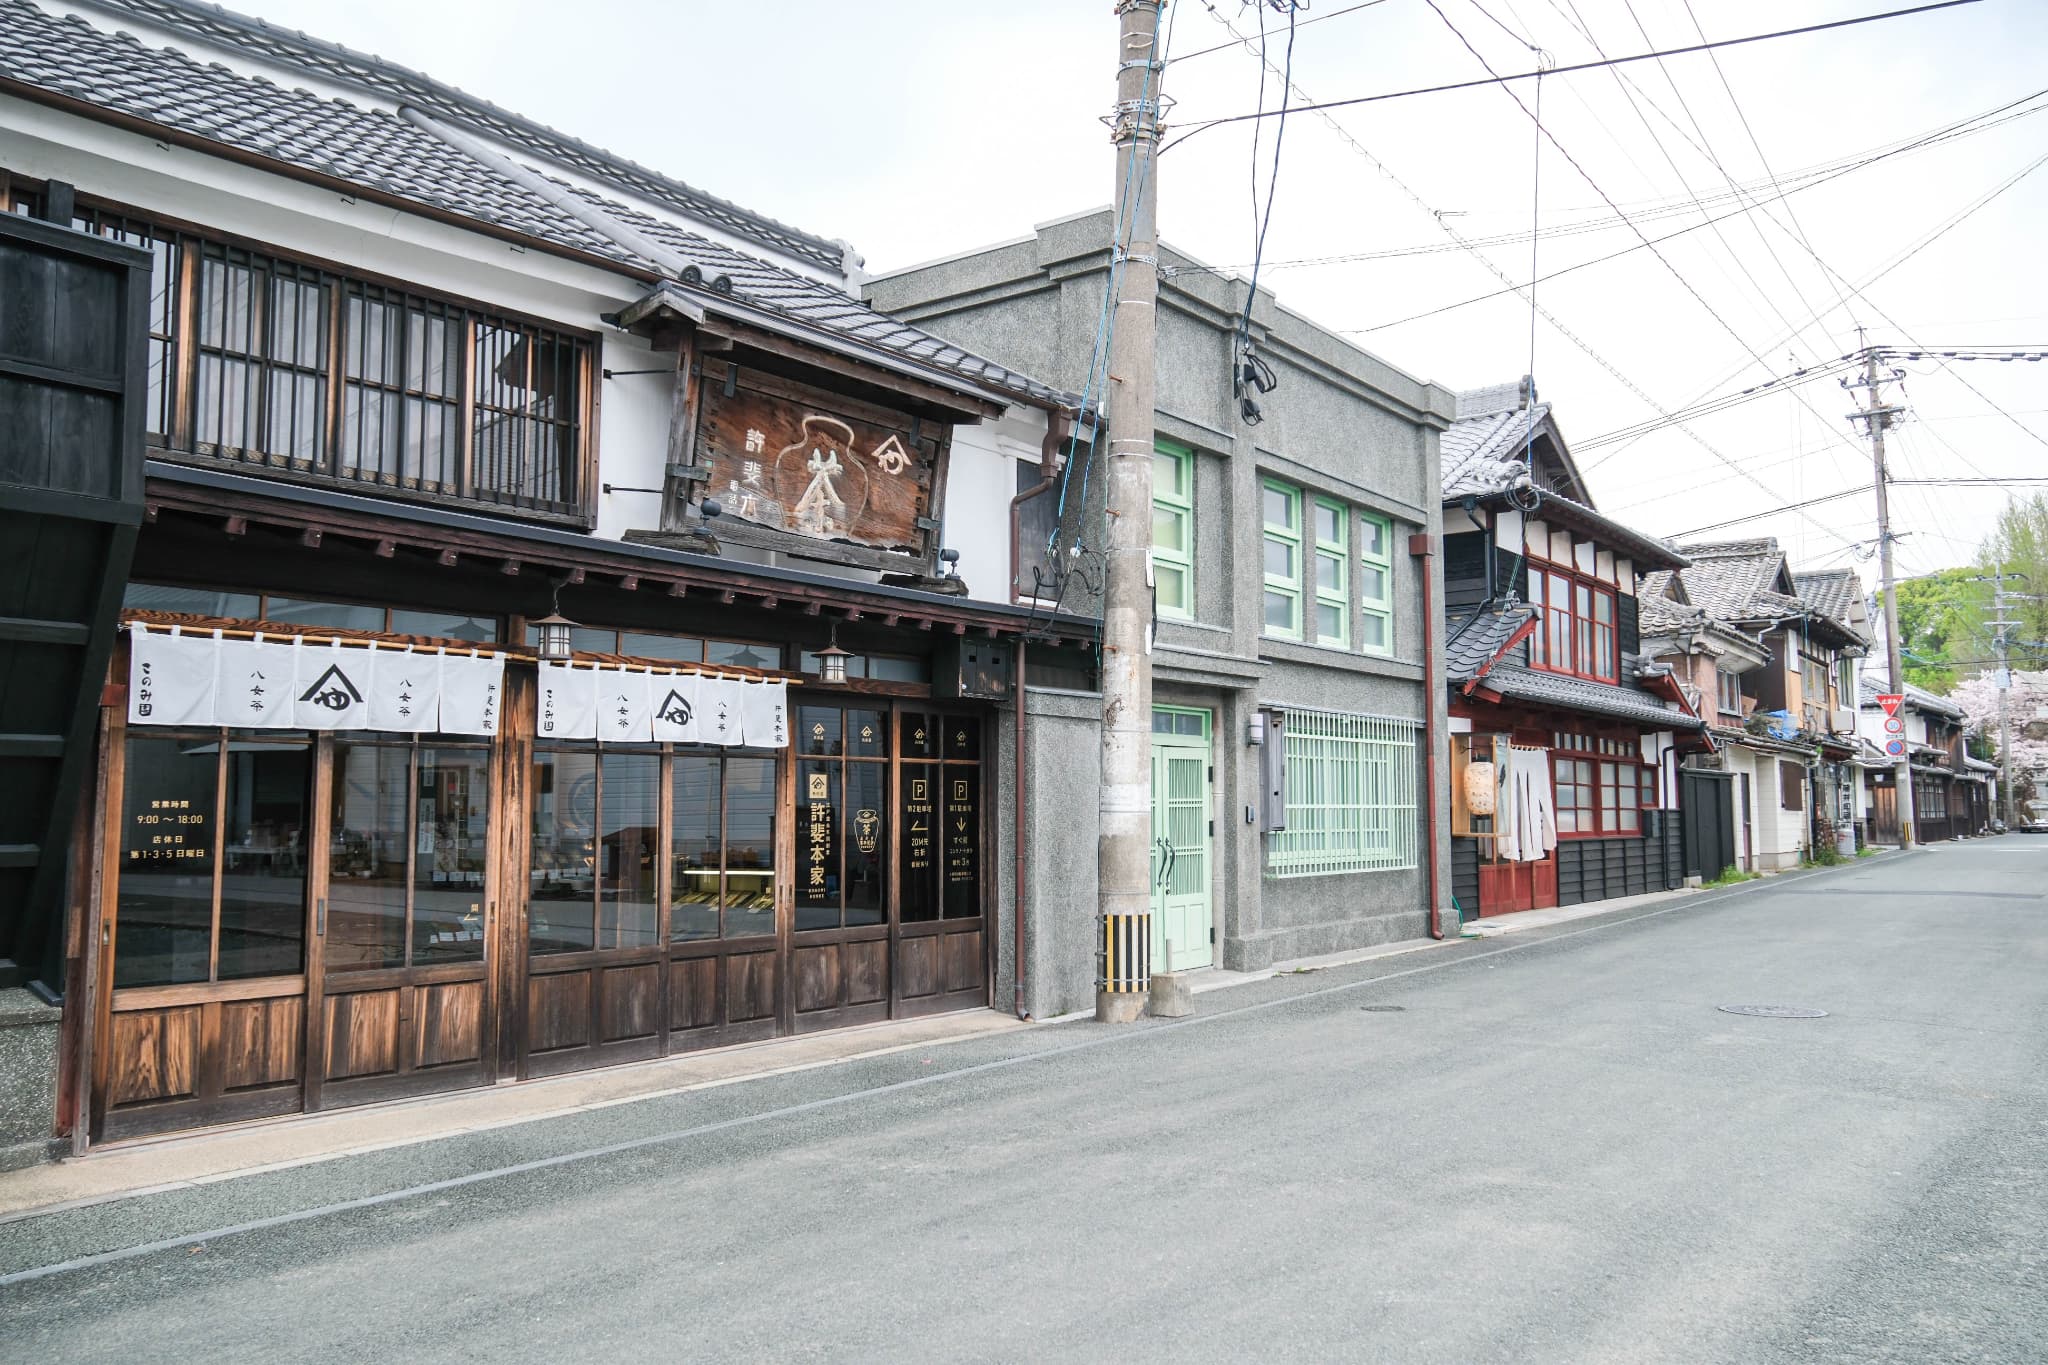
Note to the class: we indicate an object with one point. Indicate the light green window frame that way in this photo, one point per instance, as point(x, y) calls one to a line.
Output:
point(1351, 800)
point(1280, 555)
point(1173, 530)
point(1330, 524)
point(1375, 584)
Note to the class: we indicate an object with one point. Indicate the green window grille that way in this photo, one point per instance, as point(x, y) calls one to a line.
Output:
point(1281, 510)
point(1173, 530)
point(1351, 798)
point(1331, 523)
point(1376, 584)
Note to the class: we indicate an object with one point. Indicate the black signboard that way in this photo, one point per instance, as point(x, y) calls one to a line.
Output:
point(963, 842)
point(922, 797)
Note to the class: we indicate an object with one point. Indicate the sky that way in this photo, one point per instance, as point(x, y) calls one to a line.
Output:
point(923, 128)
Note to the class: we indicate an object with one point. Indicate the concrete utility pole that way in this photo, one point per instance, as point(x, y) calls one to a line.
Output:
point(1123, 857)
point(2003, 681)
point(1878, 417)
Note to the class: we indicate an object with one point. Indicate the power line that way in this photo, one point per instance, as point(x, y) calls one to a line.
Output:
point(1557, 323)
point(1661, 259)
point(1852, 492)
point(1333, 14)
point(1501, 80)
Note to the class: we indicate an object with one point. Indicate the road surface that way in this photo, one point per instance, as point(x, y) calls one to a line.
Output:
point(1551, 1146)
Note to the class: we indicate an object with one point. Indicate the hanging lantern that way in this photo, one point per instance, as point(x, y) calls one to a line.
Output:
point(554, 631)
point(832, 659)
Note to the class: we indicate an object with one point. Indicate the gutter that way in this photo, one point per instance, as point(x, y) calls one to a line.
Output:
point(1422, 546)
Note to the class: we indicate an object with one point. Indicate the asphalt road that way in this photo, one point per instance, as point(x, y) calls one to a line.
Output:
point(1555, 1148)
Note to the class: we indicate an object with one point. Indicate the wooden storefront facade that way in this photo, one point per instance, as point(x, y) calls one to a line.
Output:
point(303, 920)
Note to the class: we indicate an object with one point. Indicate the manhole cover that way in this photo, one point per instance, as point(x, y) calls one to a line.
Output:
point(1383, 1009)
point(1773, 1011)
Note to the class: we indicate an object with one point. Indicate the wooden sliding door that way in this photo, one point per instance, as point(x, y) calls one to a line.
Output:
point(401, 920)
point(210, 848)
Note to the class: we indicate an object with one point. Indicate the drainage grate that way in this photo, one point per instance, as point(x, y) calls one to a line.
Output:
point(1384, 1009)
point(1773, 1011)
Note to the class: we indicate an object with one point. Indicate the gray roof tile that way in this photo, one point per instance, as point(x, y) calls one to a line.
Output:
point(1579, 694)
point(1473, 638)
point(333, 63)
point(1833, 592)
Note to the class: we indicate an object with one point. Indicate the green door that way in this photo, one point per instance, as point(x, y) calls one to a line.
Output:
point(1180, 840)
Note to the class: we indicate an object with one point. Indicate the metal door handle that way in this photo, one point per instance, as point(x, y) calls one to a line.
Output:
point(1172, 857)
point(320, 919)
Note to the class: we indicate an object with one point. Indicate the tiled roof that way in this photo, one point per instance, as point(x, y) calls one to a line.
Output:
point(114, 71)
point(813, 304)
point(1732, 580)
point(1473, 638)
point(1579, 694)
point(380, 150)
point(1832, 592)
point(1870, 685)
point(384, 80)
point(1482, 454)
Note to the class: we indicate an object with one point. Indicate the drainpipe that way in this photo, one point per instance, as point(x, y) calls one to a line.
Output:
point(1048, 454)
point(1017, 697)
point(1423, 547)
point(577, 207)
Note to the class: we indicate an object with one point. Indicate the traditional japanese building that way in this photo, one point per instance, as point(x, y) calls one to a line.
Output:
point(548, 619)
point(1566, 739)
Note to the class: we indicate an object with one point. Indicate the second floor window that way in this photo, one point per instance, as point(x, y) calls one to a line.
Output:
point(1376, 584)
point(1173, 530)
point(1728, 693)
point(1330, 521)
point(258, 359)
point(1575, 632)
point(1281, 551)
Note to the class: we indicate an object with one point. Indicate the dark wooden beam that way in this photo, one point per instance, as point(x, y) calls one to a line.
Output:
point(387, 548)
point(959, 627)
point(678, 588)
point(770, 603)
point(728, 596)
point(310, 537)
point(630, 582)
point(813, 608)
point(510, 568)
point(890, 618)
point(447, 559)
point(924, 623)
point(575, 576)
point(236, 526)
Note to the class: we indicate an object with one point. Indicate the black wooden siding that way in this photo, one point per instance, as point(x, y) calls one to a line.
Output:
point(1464, 570)
point(1602, 869)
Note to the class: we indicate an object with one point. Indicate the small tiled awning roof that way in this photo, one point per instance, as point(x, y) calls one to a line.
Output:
point(1580, 694)
point(1476, 636)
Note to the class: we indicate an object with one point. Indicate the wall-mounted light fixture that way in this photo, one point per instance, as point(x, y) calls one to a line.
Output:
point(949, 563)
point(554, 631)
point(832, 659)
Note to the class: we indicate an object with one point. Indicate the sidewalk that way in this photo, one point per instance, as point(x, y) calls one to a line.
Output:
point(188, 1159)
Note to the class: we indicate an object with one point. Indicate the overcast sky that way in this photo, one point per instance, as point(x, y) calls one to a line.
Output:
point(921, 128)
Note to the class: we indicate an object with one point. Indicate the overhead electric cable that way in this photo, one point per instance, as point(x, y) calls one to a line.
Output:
point(1585, 175)
point(1497, 79)
point(1333, 14)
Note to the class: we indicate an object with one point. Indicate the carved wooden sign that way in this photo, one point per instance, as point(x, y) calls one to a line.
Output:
point(814, 464)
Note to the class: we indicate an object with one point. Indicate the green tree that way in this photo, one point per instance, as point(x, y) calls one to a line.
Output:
point(1941, 628)
point(2019, 543)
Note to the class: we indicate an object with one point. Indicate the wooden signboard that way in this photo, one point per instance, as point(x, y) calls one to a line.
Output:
point(815, 465)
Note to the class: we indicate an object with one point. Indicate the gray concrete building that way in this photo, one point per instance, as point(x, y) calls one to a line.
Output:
point(1292, 527)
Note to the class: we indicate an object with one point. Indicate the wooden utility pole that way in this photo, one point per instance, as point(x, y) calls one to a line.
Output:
point(1123, 852)
point(1877, 417)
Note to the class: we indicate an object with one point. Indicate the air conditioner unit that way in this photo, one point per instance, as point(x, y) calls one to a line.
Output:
point(1842, 722)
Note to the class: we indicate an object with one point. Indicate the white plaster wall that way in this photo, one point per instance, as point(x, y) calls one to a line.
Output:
point(979, 485)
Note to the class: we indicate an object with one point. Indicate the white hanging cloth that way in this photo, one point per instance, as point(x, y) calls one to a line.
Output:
point(567, 705)
point(1529, 817)
point(622, 706)
point(333, 687)
point(256, 683)
point(673, 709)
point(764, 714)
point(472, 693)
point(405, 690)
point(171, 677)
point(718, 720)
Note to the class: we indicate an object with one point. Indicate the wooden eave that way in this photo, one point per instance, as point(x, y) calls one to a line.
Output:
point(321, 524)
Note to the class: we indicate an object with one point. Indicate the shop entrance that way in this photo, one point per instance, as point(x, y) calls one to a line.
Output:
point(306, 921)
point(1182, 924)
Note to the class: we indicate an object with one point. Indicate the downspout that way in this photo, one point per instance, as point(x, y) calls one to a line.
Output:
point(1048, 454)
point(1022, 789)
point(1423, 547)
point(582, 210)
